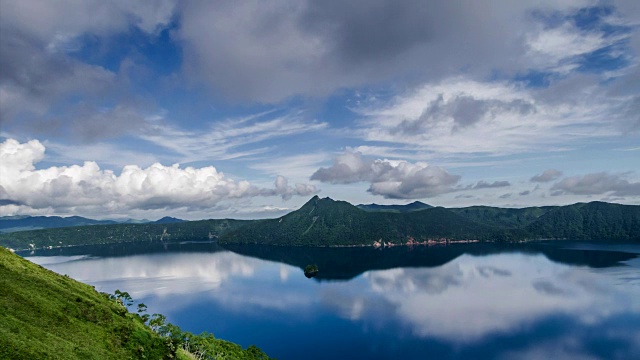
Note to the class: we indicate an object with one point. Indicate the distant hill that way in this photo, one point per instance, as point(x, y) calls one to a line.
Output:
point(591, 221)
point(327, 222)
point(168, 220)
point(414, 206)
point(202, 230)
point(503, 217)
point(21, 223)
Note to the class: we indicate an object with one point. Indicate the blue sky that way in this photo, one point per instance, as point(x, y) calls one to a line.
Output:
point(247, 109)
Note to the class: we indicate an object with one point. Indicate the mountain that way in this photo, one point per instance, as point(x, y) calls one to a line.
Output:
point(20, 223)
point(44, 315)
point(414, 206)
point(202, 230)
point(326, 222)
point(589, 221)
point(503, 217)
point(168, 220)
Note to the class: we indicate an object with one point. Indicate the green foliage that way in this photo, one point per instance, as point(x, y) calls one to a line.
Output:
point(44, 315)
point(119, 233)
point(592, 221)
point(503, 217)
point(414, 206)
point(325, 222)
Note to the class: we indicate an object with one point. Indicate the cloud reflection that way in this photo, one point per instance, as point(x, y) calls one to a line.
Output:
point(472, 297)
point(463, 301)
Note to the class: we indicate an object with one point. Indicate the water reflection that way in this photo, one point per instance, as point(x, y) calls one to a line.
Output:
point(456, 302)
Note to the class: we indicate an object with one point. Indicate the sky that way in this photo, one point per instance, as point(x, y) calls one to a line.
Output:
point(246, 109)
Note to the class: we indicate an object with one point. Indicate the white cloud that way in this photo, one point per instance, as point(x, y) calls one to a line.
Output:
point(461, 116)
point(287, 48)
point(227, 139)
point(557, 49)
point(394, 179)
point(434, 301)
point(546, 176)
point(88, 186)
point(596, 184)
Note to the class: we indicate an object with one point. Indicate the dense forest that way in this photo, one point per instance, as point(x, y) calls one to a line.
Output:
point(118, 233)
point(326, 222)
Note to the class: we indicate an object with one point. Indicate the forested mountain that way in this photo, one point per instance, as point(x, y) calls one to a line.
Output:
point(414, 206)
point(503, 217)
point(326, 222)
point(117, 233)
point(591, 221)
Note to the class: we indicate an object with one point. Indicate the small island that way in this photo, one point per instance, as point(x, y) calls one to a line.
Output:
point(311, 271)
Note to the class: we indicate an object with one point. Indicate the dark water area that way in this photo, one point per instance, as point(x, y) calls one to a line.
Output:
point(547, 300)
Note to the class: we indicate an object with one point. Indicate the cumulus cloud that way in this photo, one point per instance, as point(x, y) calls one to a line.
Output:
point(597, 184)
point(88, 186)
point(391, 179)
point(285, 191)
point(546, 176)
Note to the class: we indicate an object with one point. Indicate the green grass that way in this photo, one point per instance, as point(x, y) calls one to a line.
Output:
point(44, 315)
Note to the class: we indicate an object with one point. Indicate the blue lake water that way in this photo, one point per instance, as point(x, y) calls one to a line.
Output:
point(536, 301)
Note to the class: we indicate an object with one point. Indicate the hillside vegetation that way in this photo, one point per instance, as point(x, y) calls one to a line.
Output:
point(414, 206)
point(118, 233)
point(326, 222)
point(44, 315)
point(19, 223)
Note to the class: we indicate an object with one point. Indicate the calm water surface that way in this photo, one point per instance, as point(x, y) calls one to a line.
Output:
point(536, 301)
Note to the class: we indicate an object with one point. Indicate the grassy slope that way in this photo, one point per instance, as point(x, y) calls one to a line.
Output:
point(44, 315)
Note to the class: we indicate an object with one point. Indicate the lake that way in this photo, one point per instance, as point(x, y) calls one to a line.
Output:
point(553, 300)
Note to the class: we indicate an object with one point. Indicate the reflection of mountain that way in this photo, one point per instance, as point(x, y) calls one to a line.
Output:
point(347, 263)
point(126, 249)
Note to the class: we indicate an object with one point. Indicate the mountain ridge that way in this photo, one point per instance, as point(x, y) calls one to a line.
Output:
point(414, 206)
point(328, 222)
